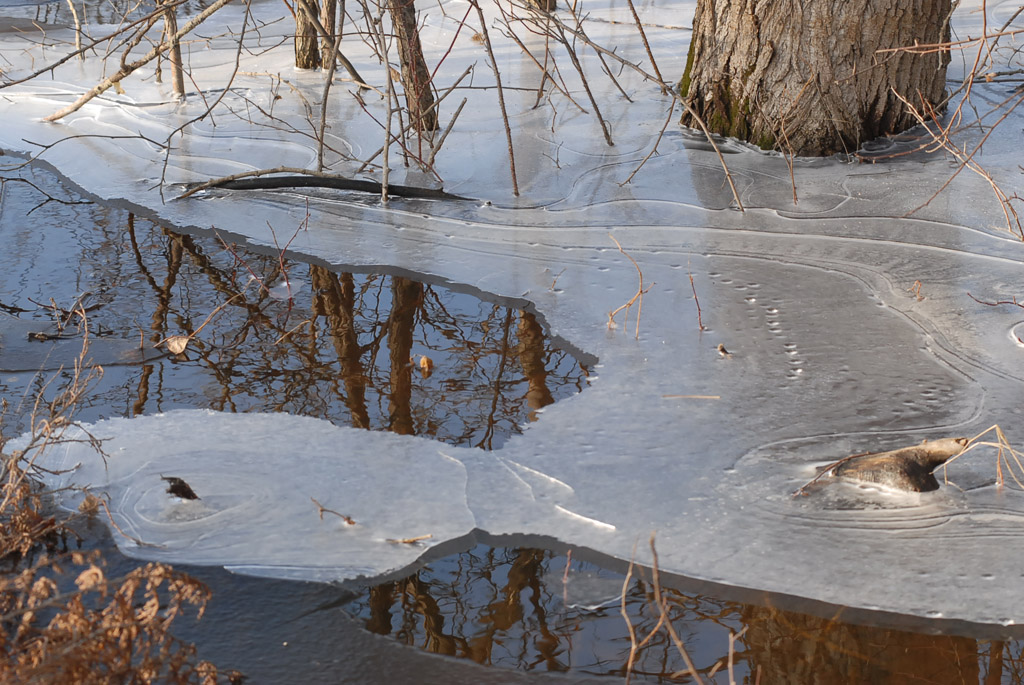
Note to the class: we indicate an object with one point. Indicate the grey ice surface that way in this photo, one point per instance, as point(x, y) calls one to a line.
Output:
point(833, 350)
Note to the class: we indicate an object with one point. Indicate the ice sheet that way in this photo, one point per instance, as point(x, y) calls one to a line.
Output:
point(832, 349)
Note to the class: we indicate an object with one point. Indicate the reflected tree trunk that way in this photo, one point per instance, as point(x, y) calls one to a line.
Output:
point(507, 610)
point(406, 297)
point(433, 620)
point(994, 676)
point(142, 392)
point(531, 356)
point(382, 598)
point(164, 294)
point(777, 641)
point(334, 298)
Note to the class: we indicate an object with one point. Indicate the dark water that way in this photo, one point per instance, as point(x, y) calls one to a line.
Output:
point(284, 335)
point(375, 351)
point(537, 610)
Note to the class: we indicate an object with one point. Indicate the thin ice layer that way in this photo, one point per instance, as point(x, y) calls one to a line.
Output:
point(848, 328)
point(261, 481)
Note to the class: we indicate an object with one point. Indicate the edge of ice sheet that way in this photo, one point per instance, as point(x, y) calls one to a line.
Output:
point(256, 476)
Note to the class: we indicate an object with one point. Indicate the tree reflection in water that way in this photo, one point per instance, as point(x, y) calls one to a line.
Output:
point(506, 607)
point(345, 347)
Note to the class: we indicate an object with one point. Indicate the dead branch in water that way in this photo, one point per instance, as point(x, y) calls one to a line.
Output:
point(306, 178)
point(410, 541)
point(940, 452)
point(1013, 301)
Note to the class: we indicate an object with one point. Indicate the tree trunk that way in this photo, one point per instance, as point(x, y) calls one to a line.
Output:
point(415, 76)
point(307, 50)
point(807, 76)
point(328, 17)
point(174, 54)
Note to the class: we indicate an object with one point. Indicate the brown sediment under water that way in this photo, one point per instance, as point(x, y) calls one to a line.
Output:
point(349, 346)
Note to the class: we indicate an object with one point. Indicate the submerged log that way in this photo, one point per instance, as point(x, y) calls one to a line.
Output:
point(271, 182)
point(908, 468)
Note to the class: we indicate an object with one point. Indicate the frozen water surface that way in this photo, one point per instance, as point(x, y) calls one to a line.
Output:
point(833, 348)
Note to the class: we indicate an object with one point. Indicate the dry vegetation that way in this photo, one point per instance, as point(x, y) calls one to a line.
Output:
point(63, 619)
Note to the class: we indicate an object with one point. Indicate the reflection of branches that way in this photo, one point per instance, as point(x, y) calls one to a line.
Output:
point(49, 198)
point(485, 441)
point(488, 378)
point(506, 606)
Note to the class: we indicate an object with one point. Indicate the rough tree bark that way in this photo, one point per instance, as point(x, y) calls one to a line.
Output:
point(806, 75)
point(174, 54)
point(328, 17)
point(419, 98)
point(307, 50)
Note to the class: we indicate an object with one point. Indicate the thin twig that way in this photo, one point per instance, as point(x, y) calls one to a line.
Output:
point(625, 616)
point(640, 292)
point(662, 609)
point(501, 96)
point(700, 324)
point(324, 510)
